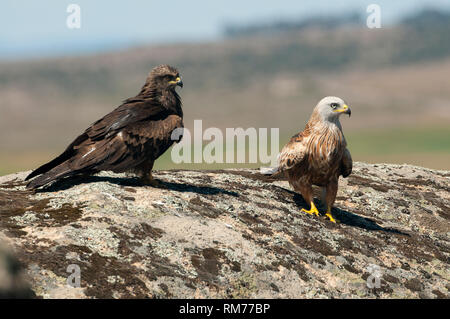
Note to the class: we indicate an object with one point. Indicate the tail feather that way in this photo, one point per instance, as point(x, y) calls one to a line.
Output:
point(58, 172)
point(49, 166)
point(67, 154)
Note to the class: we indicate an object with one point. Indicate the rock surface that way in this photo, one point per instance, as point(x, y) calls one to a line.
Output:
point(232, 234)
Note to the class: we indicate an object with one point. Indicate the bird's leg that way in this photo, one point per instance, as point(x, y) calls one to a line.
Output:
point(307, 194)
point(328, 214)
point(146, 175)
point(147, 179)
point(313, 210)
point(330, 197)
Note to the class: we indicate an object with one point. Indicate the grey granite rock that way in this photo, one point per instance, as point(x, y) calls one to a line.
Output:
point(232, 234)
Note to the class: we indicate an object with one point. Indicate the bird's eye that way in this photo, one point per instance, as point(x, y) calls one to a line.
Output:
point(334, 105)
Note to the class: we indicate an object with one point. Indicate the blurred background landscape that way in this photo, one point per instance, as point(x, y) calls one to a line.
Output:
point(255, 70)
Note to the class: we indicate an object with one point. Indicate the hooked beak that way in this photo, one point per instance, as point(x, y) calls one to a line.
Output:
point(345, 109)
point(179, 82)
point(348, 111)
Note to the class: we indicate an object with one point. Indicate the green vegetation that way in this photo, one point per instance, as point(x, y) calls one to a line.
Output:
point(402, 140)
point(429, 147)
point(425, 146)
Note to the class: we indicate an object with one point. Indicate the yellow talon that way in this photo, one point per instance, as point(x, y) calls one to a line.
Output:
point(313, 210)
point(330, 217)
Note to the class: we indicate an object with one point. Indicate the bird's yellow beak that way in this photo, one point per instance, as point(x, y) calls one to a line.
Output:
point(177, 81)
point(345, 109)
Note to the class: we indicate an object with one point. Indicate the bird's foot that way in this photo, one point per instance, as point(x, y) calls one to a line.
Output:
point(150, 181)
point(312, 211)
point(329, 216)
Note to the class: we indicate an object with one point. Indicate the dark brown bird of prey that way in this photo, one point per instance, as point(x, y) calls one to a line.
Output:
point(318, 155)
point(129, 139)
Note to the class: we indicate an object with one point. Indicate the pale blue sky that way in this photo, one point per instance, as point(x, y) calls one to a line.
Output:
point(38, 28)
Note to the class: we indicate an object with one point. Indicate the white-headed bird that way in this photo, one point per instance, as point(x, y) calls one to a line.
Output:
point(318, 155)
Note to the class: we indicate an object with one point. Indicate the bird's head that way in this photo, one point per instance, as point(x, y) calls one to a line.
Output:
point(165, 77)
point(331, 107)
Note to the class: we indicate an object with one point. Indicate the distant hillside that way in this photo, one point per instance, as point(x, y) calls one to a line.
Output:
point(282, 26)
point(428, 20)
point(427, 37)
point(394, 77)
point(317, 44)
point(423, 36)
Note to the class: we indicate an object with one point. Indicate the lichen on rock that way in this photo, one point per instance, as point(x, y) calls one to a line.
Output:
point(232, 234)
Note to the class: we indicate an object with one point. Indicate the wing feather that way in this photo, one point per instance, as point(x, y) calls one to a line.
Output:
point(130, 147)
point(346, 163)
point(293, 153)
point(129, 113)
point(98, 148)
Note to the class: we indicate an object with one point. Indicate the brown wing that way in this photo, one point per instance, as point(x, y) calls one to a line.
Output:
point(149, 140)
point(346, 164)
point(293, 152)
point(131, 111)
point(101, 147)
point(129, 147)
